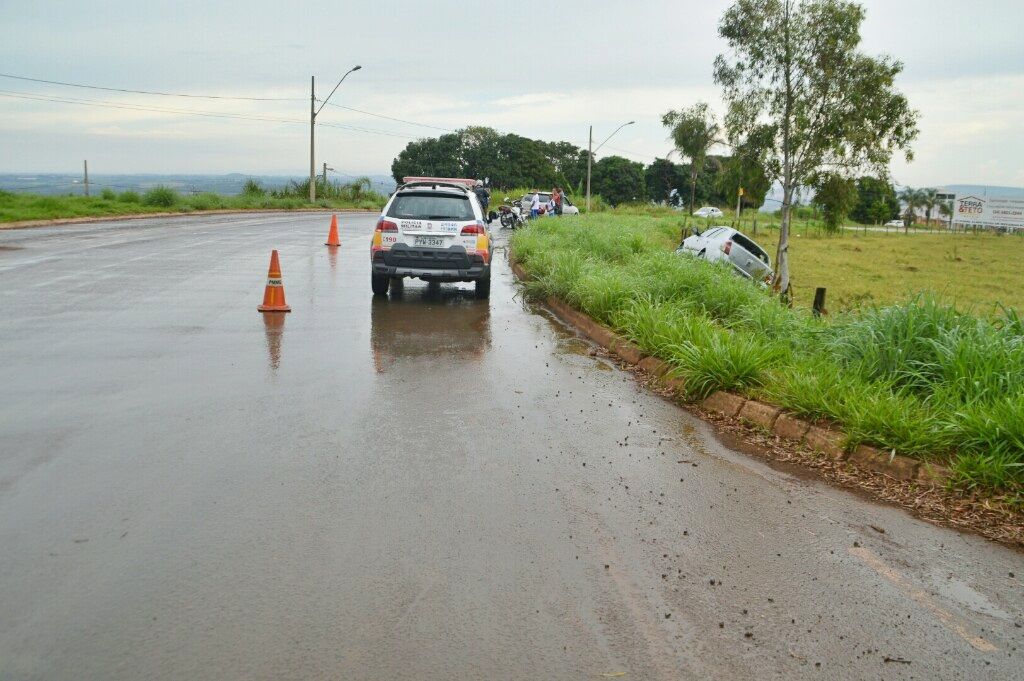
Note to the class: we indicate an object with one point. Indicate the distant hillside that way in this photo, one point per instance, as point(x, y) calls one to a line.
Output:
point(230, 184)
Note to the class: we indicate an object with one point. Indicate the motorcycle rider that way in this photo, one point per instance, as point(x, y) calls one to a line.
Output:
point(483, 195)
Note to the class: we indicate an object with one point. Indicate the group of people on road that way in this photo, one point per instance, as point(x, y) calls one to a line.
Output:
point(554, 205)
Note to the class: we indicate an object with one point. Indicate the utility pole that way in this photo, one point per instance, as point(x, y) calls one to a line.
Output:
point(590, 161)
point(313, 111)
point(591, 150)
point(85, 165)
point(739, 206)
point(312, 132)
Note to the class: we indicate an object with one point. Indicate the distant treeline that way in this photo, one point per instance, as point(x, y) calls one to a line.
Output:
point(511, 160)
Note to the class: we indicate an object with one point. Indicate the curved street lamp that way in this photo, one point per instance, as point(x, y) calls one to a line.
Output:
point(313, 111)
point(591, 151)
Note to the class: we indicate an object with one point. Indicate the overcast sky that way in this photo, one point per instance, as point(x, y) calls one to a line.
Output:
point(546, 73)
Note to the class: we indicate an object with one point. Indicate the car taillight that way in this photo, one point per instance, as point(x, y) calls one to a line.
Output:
point(475, 228)
point(386, 226)
point(727, 247)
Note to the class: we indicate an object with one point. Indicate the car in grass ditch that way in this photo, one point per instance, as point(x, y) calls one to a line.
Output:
point(725, 244)
point(707, 212)
point(432, 229)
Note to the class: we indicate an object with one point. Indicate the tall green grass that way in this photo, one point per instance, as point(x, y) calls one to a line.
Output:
point(918, 377)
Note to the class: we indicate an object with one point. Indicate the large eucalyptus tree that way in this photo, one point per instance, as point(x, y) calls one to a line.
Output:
point(794, 69)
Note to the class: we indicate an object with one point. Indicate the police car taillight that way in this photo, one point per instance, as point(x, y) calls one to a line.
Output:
point(475, 228)
point(377, 244)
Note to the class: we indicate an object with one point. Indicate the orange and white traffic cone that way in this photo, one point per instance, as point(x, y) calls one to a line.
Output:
point(332, 237)
point(273, 295)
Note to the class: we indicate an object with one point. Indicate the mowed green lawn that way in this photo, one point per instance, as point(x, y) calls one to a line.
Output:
point(975, 272)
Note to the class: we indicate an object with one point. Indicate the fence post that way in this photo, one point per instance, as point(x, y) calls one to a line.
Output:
point(819, 302)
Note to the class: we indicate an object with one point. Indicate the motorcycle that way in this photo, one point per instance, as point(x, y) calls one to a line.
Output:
point(510, 214)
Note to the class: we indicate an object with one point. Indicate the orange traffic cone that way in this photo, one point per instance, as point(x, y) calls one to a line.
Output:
point(332, 237)
point(273, 296)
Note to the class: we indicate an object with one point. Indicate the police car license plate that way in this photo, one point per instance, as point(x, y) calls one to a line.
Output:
point(430, 241)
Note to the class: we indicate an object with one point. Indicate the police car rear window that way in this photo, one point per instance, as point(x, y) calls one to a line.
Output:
point(431, 206)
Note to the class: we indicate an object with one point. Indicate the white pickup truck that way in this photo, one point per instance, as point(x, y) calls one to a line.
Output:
point(725, 243)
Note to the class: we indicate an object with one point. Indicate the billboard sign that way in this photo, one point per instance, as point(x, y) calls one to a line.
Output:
point(989, 211)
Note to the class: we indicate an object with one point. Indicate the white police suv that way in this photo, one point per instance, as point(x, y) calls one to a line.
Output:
point(433, 229)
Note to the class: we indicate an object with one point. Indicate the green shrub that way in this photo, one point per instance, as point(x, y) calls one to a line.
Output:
point(721, 360)
point(253, 187)
point(161, 196)
point(129, 197)
point(206, 201)
point(108, 194)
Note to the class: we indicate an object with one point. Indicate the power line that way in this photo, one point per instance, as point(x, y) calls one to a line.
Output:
point(218, 97)
point(190, 112)
point(390, 118)
point(151, 92)
point(209, 114)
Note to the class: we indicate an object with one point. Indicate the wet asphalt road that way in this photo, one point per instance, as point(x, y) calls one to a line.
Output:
point(423, 487)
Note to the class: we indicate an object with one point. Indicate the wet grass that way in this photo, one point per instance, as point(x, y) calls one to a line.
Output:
point(15, 207)
point(916, 375)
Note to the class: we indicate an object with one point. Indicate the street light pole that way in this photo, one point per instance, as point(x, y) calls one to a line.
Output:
point(313, 111)
point(591, 152)
point(312, 133)
point(590, 160)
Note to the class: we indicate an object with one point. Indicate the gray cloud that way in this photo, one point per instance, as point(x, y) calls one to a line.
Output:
point(568, 65)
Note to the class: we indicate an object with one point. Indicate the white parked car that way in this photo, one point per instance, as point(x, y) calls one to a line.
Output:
point(708, 212)
point(894, 223)
point(726, 244)
point(432, 229)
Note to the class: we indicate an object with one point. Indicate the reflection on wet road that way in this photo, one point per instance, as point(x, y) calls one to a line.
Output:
point(445, 324)
point(425, 486)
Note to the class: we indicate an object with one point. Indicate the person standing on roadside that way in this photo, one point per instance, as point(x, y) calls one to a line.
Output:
point(535, 205)
point(484, 197)
point(556, 196)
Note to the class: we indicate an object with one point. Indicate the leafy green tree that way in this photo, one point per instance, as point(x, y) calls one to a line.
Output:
point(946, 209)
point(619, 180)
point(480, 152)
point(835, 196)
point(871, 191)
point(433, 157)
point(912, 200)
point(929, 202)
point(742, 170)
point(693, 131)
point(794, 67)
point(880, 212)
point(662, 177)
point(569, 163)
point(522, 163)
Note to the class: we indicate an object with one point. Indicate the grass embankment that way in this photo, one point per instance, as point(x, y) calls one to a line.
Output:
point(915, 376)
point(16, 207)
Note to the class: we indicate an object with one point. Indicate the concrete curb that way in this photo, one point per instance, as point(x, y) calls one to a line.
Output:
point(25, 224)
point(818, 438)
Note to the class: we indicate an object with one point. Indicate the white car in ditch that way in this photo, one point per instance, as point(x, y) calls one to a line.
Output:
point(707, 212)
point(725, 244)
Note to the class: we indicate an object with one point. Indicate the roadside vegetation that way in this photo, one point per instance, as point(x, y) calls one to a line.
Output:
point(16, 206)
point(917, 374)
